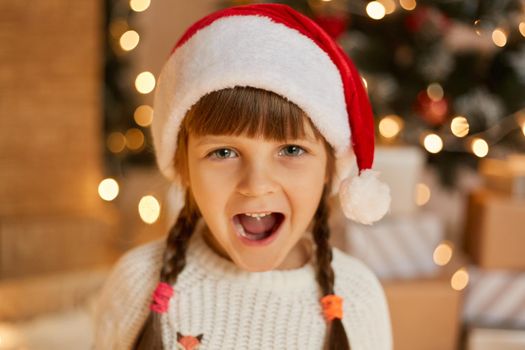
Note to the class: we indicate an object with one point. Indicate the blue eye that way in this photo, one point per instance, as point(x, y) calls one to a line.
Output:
point(294, 150)
point(221, 153)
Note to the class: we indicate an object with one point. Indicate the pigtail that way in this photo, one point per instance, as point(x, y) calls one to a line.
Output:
point(174, 260)
point(336, 337)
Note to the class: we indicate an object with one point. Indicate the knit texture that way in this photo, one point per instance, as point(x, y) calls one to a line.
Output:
point(237, 309)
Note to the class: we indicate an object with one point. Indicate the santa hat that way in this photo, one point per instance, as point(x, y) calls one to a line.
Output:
point(275, 48)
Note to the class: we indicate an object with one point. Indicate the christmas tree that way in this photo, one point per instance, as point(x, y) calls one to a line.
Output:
point(125, 120)
point(447, 75)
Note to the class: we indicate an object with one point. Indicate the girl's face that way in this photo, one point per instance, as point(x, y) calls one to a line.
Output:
point(231, 175)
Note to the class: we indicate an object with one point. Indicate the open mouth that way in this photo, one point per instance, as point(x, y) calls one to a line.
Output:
point(258, 227)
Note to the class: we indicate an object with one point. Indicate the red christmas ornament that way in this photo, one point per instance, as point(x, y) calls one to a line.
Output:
point(427, 17)
point(434, 112)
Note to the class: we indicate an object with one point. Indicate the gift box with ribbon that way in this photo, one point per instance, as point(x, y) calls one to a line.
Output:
point(491, 339)
point(397, 247)
point(495, 298)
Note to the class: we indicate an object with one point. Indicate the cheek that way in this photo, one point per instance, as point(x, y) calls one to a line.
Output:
point(307, 190)
point(210, 186)
point(304, 188)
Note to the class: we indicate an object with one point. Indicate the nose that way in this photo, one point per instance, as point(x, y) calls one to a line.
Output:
point(257, 180)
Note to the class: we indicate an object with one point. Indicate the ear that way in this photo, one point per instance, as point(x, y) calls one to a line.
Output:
point(199, 337)
point(179, 336)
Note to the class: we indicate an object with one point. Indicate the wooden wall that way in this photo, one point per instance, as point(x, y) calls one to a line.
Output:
point(51, 217)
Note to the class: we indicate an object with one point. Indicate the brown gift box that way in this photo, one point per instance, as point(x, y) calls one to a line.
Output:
point(425, 312)
point(495, 230)
point(505, 175)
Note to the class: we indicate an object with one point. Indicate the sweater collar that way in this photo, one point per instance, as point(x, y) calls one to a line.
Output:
point(202, 258)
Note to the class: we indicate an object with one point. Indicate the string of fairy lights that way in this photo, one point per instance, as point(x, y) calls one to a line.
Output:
point(390, 127)
point(448, 138)
point(125, 40)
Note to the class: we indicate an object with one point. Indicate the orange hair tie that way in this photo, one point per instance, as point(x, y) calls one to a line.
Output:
point(332, 307)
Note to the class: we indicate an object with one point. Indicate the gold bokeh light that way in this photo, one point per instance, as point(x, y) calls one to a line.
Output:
point(116, 142)
point(143, 115)
point(145, 82)
point(499, 37)
point(459, 279)
point(375, 10)
point(149, 209)
point(108, 189)
point(433, 143)
point(480, 147)
point(390, 126)
point(139, 5)
point(129, 40)
point(435, 92)
point(443, 253)
point(134, 139)
point(408, 5)
point(459, 126)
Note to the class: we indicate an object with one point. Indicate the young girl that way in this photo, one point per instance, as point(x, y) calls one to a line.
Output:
point(258, 116)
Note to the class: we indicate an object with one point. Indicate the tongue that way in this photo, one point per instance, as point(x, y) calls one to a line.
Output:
point(255, 225)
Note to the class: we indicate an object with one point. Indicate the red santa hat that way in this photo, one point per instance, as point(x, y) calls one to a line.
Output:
point(274, 47)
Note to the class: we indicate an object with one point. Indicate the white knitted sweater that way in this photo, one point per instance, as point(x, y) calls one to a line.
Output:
point(236, 309)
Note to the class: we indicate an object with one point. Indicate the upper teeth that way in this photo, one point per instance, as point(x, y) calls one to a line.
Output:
point(258, 215)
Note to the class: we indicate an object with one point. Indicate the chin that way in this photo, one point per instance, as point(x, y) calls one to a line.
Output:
point(256, 266)
point(258, 269)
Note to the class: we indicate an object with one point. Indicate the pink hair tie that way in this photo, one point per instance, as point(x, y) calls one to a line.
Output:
point(161, 297)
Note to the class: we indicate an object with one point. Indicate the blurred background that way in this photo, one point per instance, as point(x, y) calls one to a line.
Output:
point(79, 184)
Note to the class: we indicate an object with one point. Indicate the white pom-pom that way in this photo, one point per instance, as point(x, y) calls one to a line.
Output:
point(364, 198)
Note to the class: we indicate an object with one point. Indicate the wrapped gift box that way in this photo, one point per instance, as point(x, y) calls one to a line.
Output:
point(505, 175)
point(495, 230)
point(495, 298)
point(401, 168)
point(396, 247)
point(492, 339)
point(425, 312)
